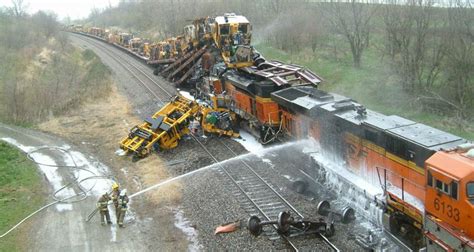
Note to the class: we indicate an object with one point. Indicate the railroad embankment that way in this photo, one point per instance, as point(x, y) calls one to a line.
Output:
point(41, 74)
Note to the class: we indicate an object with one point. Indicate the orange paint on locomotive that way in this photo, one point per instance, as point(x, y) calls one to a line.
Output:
point(267, 111)
point(370, 160)
point(299, 126)
point(217, 86)
point(450, 191)
point(243, 102)
point(314, 130)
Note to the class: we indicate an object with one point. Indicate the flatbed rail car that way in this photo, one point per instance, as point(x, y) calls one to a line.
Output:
point(163, 130)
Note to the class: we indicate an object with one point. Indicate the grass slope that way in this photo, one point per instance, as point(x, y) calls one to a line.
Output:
point(21, 193)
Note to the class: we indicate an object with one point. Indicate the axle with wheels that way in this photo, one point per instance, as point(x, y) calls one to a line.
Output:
point(255, 225)
point(285, 222)
point(344, 215)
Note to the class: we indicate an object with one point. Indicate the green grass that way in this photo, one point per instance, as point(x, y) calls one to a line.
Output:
point(374, 85)
point(20, 194)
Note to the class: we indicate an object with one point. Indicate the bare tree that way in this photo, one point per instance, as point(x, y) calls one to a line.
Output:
point(460, 57)
point(19, 8)
point(352, 19)
point(415, 43)
point(46, 23)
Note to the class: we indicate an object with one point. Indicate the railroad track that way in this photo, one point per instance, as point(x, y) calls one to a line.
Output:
point(260, 198)
point(162, 94)
point(256, 195)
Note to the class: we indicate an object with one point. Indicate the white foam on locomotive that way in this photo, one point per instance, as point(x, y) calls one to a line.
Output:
point(352, 189)
point(340, 169)
point(412, 200)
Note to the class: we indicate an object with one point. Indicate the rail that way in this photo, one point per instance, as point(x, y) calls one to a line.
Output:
point(266, 213)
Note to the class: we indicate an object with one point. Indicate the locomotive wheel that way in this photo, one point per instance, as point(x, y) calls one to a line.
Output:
point(300, 186)
point(323, 207)
point(348, 215)
point(254, 225)
point(284, 222)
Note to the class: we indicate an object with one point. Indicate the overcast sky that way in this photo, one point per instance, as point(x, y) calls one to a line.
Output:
point(72, 8)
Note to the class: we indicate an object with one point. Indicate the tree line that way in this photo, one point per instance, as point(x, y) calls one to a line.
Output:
point(41, 73)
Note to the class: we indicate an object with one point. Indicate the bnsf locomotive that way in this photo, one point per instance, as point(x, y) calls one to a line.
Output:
point(428, 174)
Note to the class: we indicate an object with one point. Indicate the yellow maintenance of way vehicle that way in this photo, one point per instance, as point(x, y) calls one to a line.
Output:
point(163, 130)
point(167, 126)
point(217, 118)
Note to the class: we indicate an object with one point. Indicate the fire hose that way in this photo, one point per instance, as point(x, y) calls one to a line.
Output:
point(82, 195)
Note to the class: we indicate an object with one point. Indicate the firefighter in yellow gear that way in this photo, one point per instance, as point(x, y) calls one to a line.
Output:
point(102, 205)
point(122, 206)
point(115, 195)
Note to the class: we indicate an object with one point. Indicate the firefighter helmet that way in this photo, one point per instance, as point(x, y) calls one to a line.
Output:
point(115, 186)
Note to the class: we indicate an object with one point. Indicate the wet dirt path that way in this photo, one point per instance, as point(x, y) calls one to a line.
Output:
point(62, 227)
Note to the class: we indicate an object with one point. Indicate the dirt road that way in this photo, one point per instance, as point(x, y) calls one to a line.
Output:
point(62, 227)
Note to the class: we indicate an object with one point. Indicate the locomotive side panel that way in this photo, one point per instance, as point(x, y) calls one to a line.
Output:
point(377, 165)
point(267, 111)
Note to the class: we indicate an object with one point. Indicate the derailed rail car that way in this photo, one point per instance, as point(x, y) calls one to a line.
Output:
point(428, 174)
point(383, 149)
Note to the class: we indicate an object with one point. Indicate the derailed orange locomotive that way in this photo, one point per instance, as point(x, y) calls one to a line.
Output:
point(428, 174)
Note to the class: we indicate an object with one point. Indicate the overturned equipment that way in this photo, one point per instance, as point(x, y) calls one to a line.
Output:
point(289, 226)
point(167, 126)
point(163, 130)
point(217, 117)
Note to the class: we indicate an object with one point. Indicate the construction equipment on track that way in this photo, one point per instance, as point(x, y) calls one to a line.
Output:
point(163, 130)
point(183, 67)
point(167, 126)
point(217, 118)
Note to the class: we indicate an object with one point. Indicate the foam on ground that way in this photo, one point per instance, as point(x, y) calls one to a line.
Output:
point(250, 143)
point(185, 226)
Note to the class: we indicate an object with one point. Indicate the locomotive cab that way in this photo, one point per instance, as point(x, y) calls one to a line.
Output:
point(449, 201)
